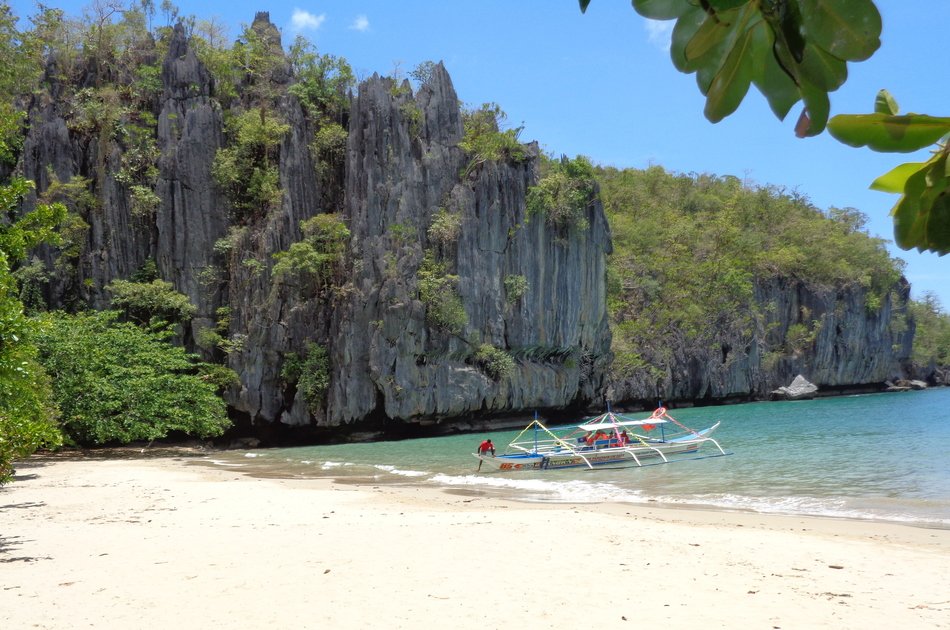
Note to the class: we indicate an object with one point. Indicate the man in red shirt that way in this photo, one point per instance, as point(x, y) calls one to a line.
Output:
point(483, 449)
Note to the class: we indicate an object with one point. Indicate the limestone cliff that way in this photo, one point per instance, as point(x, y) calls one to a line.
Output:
point(403, 165)
point(843, 345)
point(392, 362)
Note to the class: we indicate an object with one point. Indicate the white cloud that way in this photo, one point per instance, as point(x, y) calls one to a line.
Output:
point(304, 20)
point(361, 23)
point(660, 33)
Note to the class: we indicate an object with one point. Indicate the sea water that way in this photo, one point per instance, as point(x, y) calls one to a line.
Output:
point(878, 456)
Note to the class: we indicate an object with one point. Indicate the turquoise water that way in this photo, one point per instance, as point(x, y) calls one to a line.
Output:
point(880, 456)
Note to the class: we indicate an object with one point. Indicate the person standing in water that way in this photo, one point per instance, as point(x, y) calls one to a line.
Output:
point(483, 449)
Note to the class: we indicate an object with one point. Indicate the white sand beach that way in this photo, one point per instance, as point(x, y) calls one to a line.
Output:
point(160, 543)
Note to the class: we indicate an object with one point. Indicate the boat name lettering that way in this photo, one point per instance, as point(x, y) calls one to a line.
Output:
point(508, 466)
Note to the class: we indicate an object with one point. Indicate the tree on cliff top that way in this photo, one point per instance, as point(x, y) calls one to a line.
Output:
point(797, 50)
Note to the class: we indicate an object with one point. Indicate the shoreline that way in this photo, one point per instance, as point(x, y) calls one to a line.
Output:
point(649, 504)
point(208, 458)
point(161, 542)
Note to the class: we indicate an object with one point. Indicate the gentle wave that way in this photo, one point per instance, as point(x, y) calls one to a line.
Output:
point(226, 464)
point(544, 490)
point(539, 490)
point(402, 473)
point(332, 465)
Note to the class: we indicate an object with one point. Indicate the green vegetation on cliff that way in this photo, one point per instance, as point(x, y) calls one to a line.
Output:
point(932, 337)
point(689, 248)
point(485, 140)
point(564, 193)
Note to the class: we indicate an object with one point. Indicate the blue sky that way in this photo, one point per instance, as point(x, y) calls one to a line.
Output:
point(601, 84)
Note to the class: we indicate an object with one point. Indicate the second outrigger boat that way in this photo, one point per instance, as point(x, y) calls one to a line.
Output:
point(608, 440)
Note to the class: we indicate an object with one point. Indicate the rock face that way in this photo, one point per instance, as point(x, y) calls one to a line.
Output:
point(112, 242)
point(840, 344)
point(530, 292)
point(192, 214)
point(388, 361)
point(393, 362)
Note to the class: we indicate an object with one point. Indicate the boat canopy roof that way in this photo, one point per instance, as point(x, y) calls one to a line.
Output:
point(600, 425)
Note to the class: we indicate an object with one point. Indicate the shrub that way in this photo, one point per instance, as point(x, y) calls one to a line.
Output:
point(412, 115)
point(422, 73)
point(402, 233)
point(329, 156)
point(322, 81)
point(317, 260)
point(445, 227)
point(800, 336)
point(444, 307)
point(329, 142)
point(27, 410)
point(144, 201)
point(246, 170)
point(311, 373)
point(139, 157)
point(220, 376)
point(31, 277)
point(115, 382)
point(515, 287)
point(496, 363)
point(151, 302)
point(564, 193)
point(485, 141)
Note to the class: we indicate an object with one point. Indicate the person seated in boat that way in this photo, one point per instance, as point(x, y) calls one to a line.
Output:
point(624, 438)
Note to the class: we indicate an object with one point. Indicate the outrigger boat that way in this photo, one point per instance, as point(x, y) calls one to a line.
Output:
point(609, 439)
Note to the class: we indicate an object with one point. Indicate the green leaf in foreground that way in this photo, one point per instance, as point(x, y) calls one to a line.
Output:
point(791, 51)
point(660, 9)
point(884, 103)
point(889, 133)
point(815, 115)
point(777, 87)
point(732, 82)
point(848, 29)
point(895, 180)
point(922, 214)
